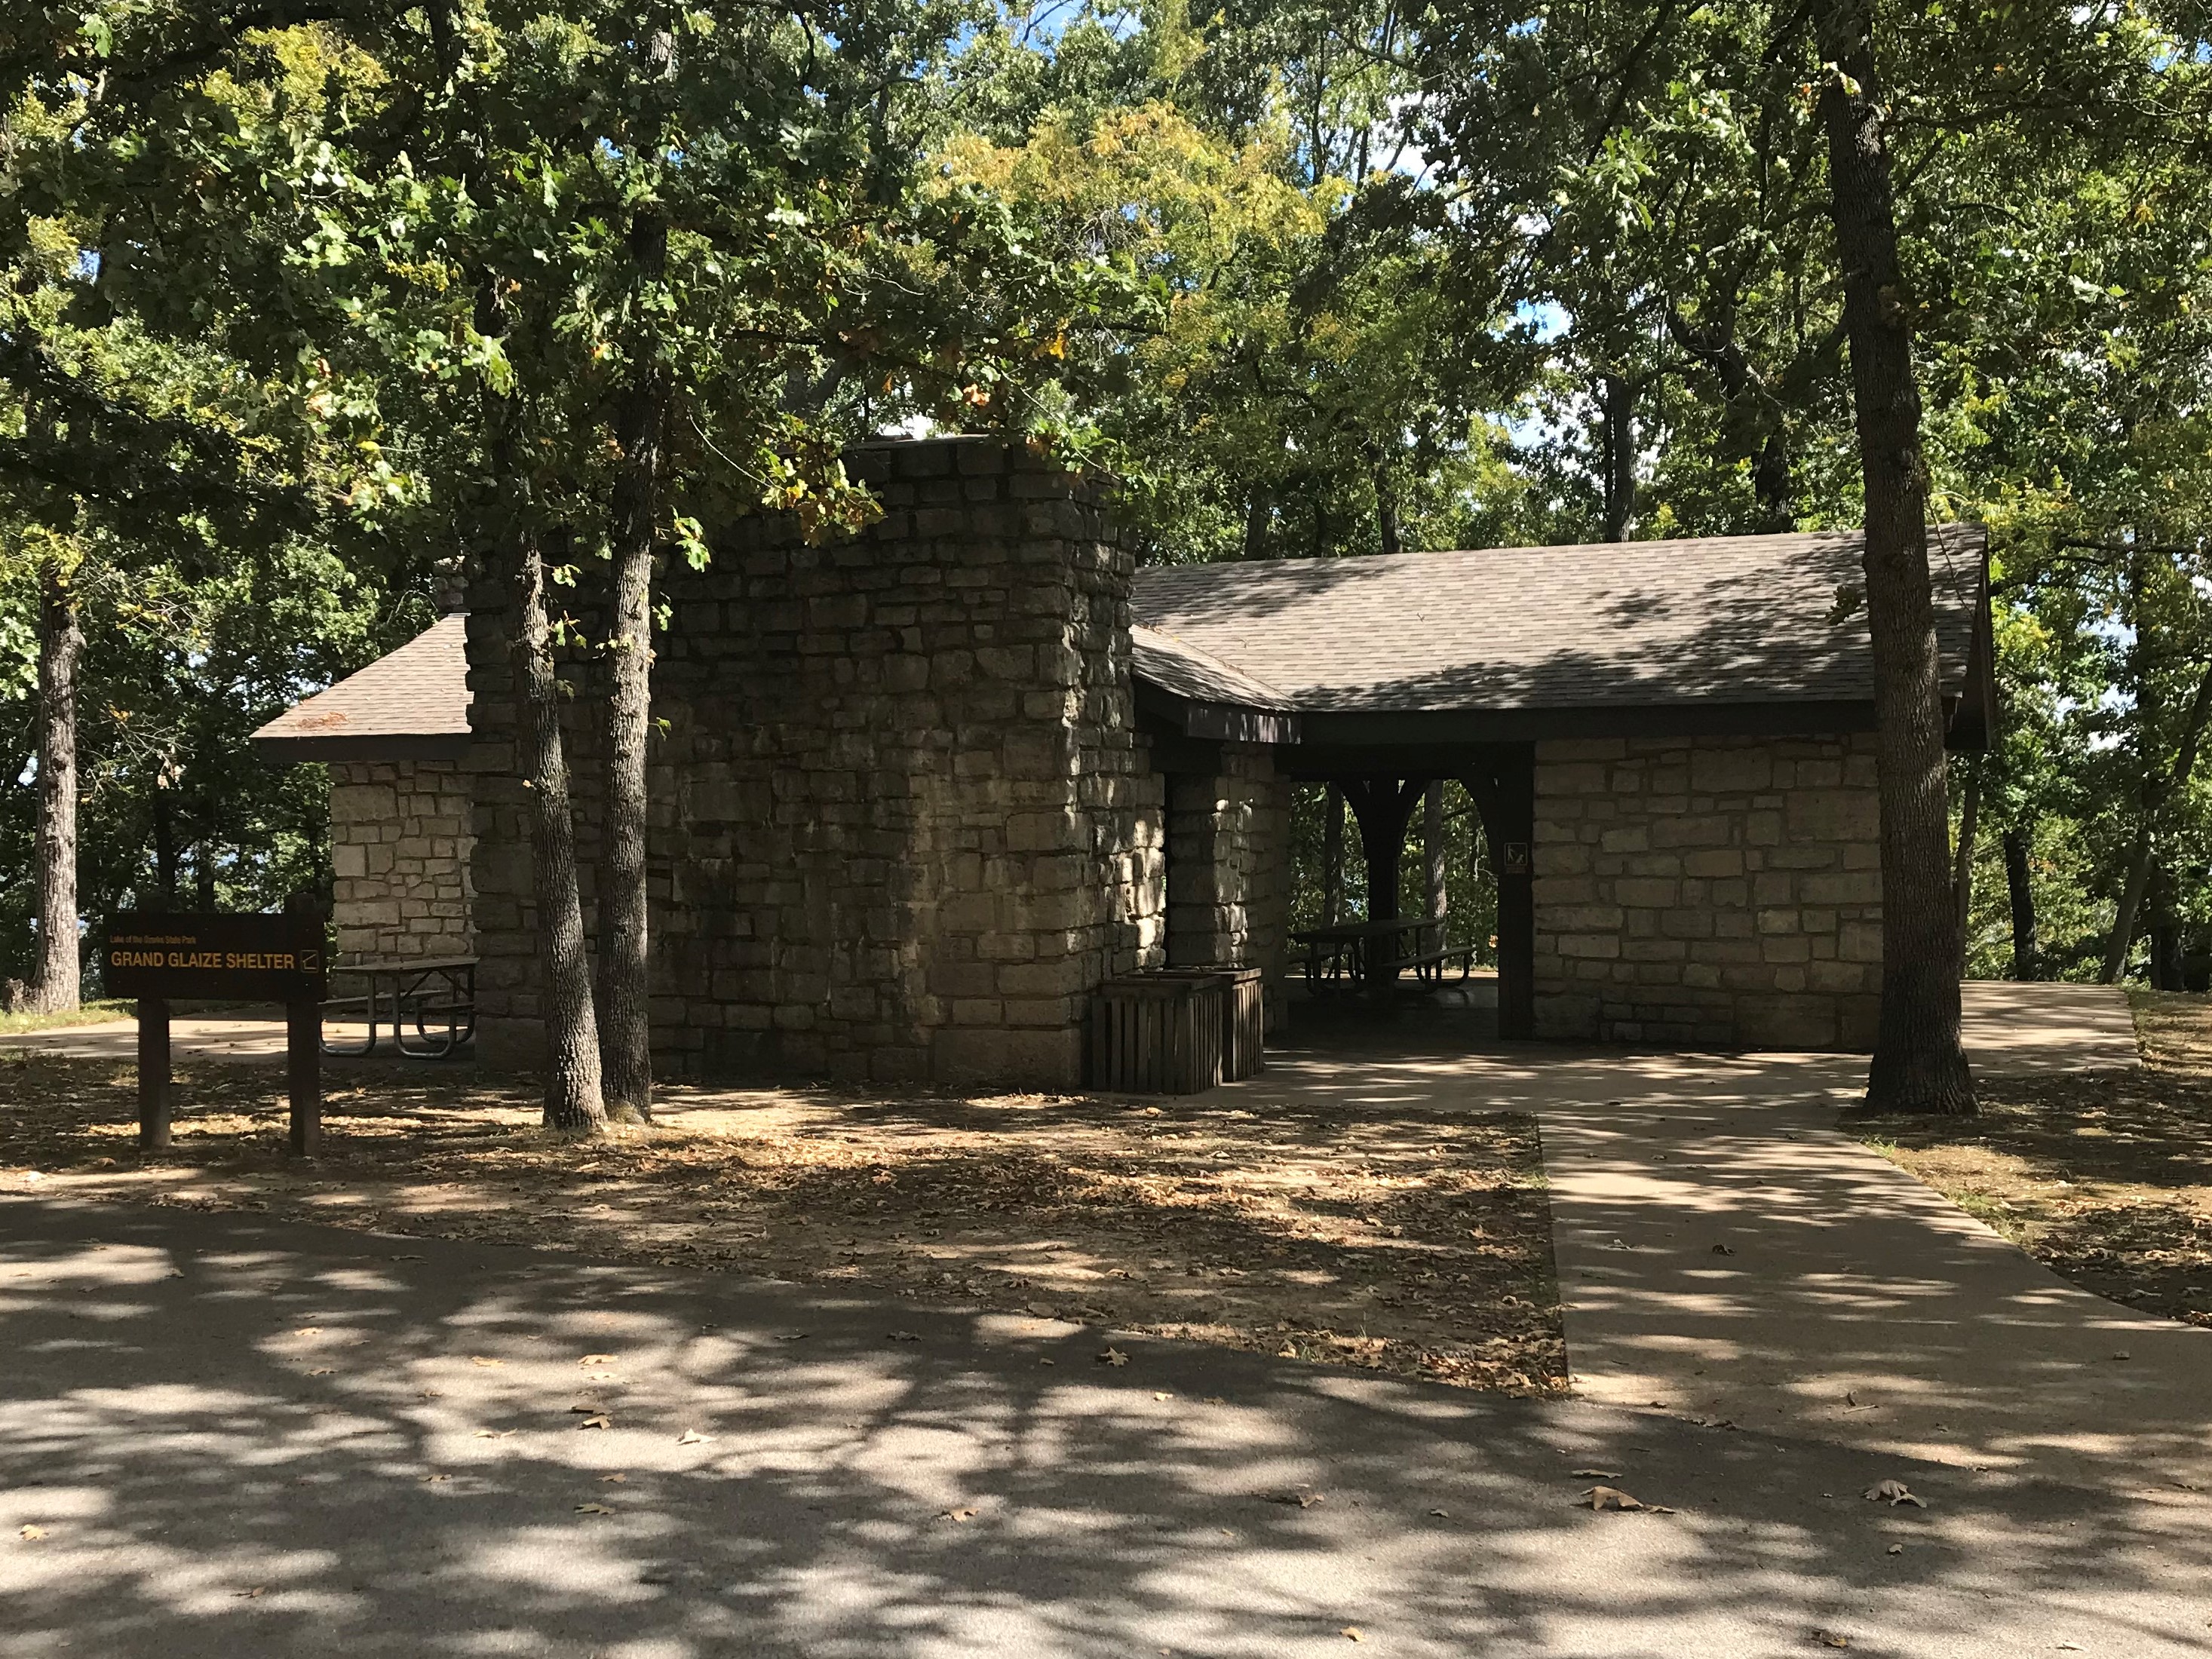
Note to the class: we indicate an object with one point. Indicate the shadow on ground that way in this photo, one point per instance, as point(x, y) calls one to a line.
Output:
point(243, 1436)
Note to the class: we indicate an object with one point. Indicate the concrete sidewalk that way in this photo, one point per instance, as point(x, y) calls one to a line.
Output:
point(1724, 1253)
point(235, 1437)
point(242, 1036)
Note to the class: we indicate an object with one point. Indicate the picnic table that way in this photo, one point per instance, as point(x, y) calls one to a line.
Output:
point(1360, 951)
point(425, 991)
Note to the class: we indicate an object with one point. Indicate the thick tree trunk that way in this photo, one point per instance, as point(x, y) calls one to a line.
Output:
point(1920, 1063)
point(1434, 850)
point(624, 996)
point(625, 1006)
point(1617, 404)
point(1258, 512)
point(55, 982)
point(2020, 894)
point(1962, 869)
point(574, 1102)
point(1386, 514)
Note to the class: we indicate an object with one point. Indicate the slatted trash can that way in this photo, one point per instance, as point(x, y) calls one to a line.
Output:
point(1244, 1010)
point(1163, 1033)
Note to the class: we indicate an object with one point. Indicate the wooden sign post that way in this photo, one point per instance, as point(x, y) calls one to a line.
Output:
point(158, 959)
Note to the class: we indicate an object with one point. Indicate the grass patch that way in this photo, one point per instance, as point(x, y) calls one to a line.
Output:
point(2105, 1177)
point(1415, 1242)
point(89, 1013)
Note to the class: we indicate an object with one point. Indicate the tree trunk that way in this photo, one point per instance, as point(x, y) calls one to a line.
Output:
point(625, 1007)
point(1920, 1063)
point(164, 838)
point(573, 1101)
point(1332, 855)
point(55, 981)
point(1962, 871)
point(1617, 401)
point(2022, 896)
point(2157, 791)
point(2165, 973)
point(1258, 511)
point(1433, 856)
point(1386, 514)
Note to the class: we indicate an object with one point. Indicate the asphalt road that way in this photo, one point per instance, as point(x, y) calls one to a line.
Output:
point(239, 1438)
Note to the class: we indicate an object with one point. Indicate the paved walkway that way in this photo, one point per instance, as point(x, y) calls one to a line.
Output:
point(233, 1436)
point(242, 1034)
point(1725, 1254)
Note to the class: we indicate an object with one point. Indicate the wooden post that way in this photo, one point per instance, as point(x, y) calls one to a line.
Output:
point(303, 1072)
point(153, 1073)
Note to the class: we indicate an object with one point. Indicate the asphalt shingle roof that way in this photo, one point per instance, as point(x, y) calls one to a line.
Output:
point(419, 691)
point(1725, 618)
point(1731, 619)
point(1173, 663)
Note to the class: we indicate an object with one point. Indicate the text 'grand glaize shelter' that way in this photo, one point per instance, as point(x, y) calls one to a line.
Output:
point(920, 792)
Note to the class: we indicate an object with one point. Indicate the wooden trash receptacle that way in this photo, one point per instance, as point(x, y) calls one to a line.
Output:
point(1245, 1010)
point(1162, 1033)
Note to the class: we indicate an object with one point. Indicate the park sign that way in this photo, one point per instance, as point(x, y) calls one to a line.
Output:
point(276, 958)
point(158, 957)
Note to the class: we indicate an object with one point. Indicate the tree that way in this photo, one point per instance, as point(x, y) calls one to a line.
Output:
point(1919, 1061)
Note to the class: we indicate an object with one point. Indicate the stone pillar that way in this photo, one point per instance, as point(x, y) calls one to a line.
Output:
point(1229, 868)
point(900, 826)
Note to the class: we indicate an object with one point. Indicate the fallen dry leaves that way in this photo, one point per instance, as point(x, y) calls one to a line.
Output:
point(1409, 1240)
point(2104, 1177)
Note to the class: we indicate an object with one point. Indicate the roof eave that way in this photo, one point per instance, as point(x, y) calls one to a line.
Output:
point(364, 746)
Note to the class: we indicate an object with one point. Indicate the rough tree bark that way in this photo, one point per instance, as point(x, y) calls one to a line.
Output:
point(1920, 1063)
point(624, 994)
point(55, 981)
point(573, 1101)
point(1617, 404)
point(1332, 855)
point(2020, 894)
point(1433, 864)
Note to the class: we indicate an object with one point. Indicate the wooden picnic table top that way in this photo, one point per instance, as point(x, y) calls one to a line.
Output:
point(1347, 931)
point(406, 965)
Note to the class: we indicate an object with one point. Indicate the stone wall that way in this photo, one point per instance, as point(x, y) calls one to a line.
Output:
point(400, 840)
point(902, 823)
point(1715, 891)
point(1229, 868)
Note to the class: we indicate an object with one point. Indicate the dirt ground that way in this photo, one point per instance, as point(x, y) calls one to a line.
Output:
point(1414, 1243)
point(2104, 1177)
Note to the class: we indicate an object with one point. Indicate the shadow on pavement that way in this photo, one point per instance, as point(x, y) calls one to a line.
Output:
point(244, 1437)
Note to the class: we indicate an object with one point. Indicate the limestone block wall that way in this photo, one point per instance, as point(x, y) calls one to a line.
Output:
point(401, 835)
point(1714, 891)
point(902, 823)
point(1229, 879)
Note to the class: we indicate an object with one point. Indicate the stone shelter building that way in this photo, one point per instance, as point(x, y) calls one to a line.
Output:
point(918, 793)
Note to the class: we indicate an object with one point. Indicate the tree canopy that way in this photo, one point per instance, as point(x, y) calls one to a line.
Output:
point(304, 301)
